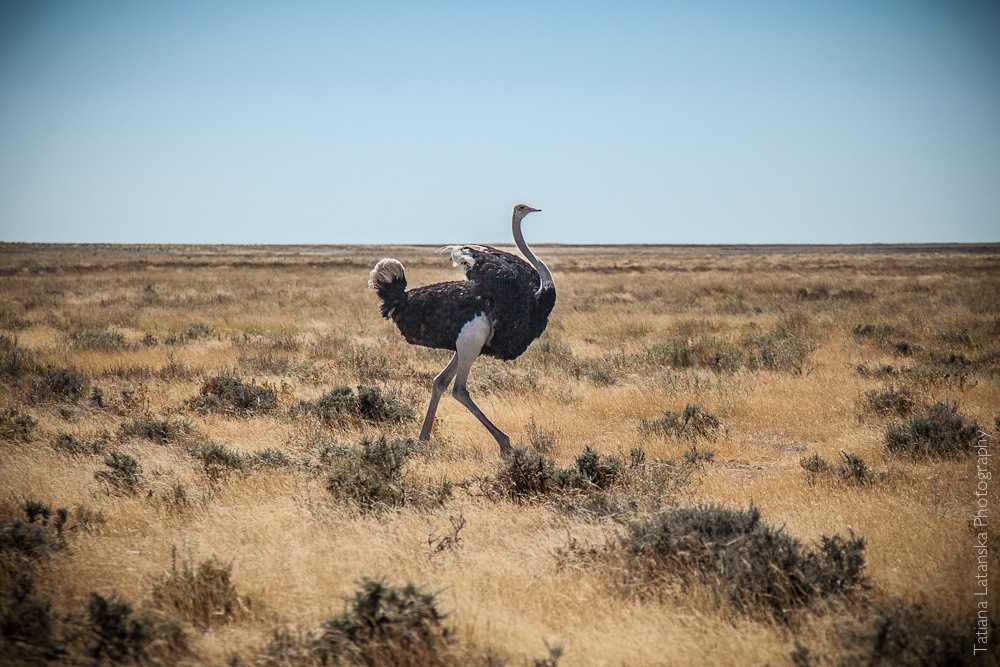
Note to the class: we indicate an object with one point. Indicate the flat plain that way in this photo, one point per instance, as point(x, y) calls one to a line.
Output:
point(206, 457)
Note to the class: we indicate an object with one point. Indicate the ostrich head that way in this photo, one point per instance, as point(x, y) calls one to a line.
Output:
point(521, 210)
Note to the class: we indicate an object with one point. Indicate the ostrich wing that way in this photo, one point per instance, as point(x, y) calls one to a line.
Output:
point(494, 269)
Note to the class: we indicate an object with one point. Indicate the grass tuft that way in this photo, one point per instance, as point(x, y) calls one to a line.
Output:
point(889, 401)
point(123, 474)
point(202, 595)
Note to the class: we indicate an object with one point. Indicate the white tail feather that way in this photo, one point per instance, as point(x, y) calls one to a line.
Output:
point(385, 271)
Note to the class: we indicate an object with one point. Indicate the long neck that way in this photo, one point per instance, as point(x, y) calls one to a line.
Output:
point(543, 271)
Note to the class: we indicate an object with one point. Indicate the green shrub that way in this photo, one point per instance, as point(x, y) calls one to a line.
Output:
point(853, 470)
point(386, 625)
point(270, 458)
point(123, 474)
point(371, 476)
point(893, 633)
point(524, 474)
point(27, 631)
point(527, 475)
point(116, 635)
point(160, 431)
point(192, 333)
point(229, 394)
point(219, 460)
point(759, 569)
point(77, 445)
point(938, 431)
point(16, 425)
point(370, 405)
point(691, 424)
point(61, 384)
point(97, 338)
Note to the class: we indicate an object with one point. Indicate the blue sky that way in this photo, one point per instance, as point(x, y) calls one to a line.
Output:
point(384, 122)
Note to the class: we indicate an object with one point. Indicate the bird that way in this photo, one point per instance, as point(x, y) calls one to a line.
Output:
point(498, 310)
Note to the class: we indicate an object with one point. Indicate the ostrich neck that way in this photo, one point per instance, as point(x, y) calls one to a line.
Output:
point(543, 271)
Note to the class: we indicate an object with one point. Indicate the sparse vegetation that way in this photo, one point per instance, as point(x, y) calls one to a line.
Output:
point(852, 470)
point(692, 423)
point(250, 406)
point(342, 405)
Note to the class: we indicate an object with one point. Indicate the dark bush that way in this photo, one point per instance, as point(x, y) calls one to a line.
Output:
point(386, 625)
point(115, 634)
point(27, 631)
point(79, 446)
point(123, 474)
point(107, 632)
point(692, 423)
point(24, 540)
point(938, 431)
point(527, 475)
point(270, 458)
point(97, 338)
point(884, 371)
point(192, 333)
point(756, 567)
point(160, 431)
point(228, 393)
point(342, 405)
point(853, 470)
point(61, 384)
point(591, 471)
point(885, 334)
point(16, 425)
point(219, 460)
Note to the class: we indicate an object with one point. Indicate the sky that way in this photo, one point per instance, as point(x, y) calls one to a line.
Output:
point(841, 121)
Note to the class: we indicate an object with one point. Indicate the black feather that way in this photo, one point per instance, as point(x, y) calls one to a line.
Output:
point(500, 285)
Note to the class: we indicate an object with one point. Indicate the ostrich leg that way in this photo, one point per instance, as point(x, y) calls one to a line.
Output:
point(468, 346)
point(470, 343)
point(441, 383)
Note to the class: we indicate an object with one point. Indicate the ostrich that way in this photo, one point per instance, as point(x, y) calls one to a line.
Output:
point(502, 306)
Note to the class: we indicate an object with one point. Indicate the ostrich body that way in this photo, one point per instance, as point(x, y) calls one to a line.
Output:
point(502, 306)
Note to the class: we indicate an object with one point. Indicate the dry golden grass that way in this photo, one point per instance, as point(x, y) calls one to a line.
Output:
point(148, 325)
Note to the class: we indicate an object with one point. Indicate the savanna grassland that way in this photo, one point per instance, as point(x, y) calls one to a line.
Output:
point(728, 456)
